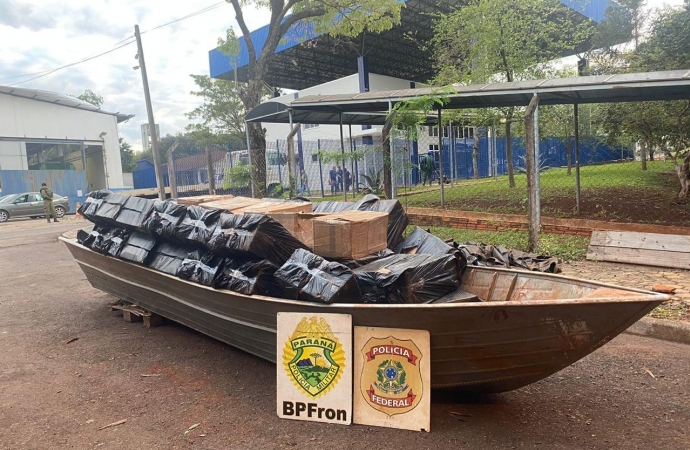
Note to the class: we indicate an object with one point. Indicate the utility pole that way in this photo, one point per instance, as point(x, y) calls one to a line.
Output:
point(152, 125)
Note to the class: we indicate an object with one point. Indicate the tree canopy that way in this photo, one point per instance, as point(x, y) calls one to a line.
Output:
point(333, 17)
point(91, 97)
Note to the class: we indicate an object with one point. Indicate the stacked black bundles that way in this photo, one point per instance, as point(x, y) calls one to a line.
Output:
point(306, 276)
point(92, 203)
point(249, 277)
point(168, 257)
point(110, 208)
point(197, 225)
point(253, 235)
point(105, 240)
point(201, 266)
point(138, 247)
point(408, 278)
point(355, 263)
point(397, 218)
point(423, 242)
point(134, 212)
point(164, 218)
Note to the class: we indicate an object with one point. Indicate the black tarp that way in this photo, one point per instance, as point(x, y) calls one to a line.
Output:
point(134, 212)
point(110, 208)
point(249, 277)
point(201, 266)
point(499, 256)
point(138, 247)
point(309, 277)
point(253, 235)
point(93, 201)
point(408, 278)
point(168, 257)
point(197, 226)
point(164, 218)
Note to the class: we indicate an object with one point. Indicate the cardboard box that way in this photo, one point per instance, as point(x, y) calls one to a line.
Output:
point(299, 225)
point(198, 200)
point(276, 207)
point(350, 234)
point(231, 203)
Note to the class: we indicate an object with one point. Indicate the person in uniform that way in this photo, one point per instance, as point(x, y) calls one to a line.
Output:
point(48, 206)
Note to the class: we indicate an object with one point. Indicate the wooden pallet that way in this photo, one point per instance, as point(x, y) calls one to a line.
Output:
point(132, 313)
point(649, 249)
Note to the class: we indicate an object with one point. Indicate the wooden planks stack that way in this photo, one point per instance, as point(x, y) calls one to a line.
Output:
point(649, 249)
point(199, 199)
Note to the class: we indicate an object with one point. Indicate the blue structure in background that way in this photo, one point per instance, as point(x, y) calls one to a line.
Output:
point(552, 153)
point(145, 175)
point(67, 183)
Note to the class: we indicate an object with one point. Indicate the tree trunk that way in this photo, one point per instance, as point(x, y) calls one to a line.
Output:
point(651, 153)
point(683, 172)
point(251, 98)
point(475, 154)
point(643, 154)
point(509, 150)
point(386, 146)
point(292, 175)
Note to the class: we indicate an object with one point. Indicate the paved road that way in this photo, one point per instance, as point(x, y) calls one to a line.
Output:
point(631, 394)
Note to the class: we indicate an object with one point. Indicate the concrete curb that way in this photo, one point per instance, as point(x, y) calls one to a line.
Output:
point(667, 330)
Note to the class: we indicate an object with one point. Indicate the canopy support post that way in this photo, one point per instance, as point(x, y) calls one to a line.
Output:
point(440, 159)
point(342, 152)
point(578, 203)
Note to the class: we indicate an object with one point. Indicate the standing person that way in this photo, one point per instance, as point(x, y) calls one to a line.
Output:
point(304, 182)
point(340, 179)
point(348, 179)
point(333, 180)
point(48, 206)
point(426, 166)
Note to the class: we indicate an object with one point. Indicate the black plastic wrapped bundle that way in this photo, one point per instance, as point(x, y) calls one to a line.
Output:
point(164, 218)
point(197, 225)
point(106, 240)
point(408, 278)
point(397, 218)
point(95, 236)
point(306, 276)
point(115, 241)
point(134, 212)
point(250, 277)
point(110, 208)
point(93, 201)
point(333, 207)
point(355, 263)
point(168, 257)
point(253, 235)
point(138, 247)
point(201, 266)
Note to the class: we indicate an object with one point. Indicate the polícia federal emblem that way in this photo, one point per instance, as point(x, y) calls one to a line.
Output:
point(313, 357)
point(391, 380)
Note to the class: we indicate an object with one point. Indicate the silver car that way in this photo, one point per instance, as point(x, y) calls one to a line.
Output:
point(29, 204)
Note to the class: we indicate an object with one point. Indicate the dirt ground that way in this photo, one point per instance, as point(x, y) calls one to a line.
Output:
point(57, 392)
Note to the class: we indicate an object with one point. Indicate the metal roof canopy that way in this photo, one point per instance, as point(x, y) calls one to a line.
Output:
point(60, 99)
point(630, 87)
point(304, 59)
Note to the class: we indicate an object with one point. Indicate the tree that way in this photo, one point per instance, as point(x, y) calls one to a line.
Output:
point(91, 97)
point(221, 112)
point(127, 157)
point(505, 40)
point(334, 17)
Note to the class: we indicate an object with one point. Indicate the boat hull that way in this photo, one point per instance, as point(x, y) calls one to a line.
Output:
point(484, 347)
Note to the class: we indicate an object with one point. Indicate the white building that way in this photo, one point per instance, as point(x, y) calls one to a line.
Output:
point(45, 136)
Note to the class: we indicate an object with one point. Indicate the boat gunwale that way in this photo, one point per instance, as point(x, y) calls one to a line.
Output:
point(647, 296)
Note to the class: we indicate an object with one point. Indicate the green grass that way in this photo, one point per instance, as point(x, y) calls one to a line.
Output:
point(553, 182)
point(569, 248)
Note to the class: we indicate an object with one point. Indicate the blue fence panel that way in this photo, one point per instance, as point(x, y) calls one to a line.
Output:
point(146, 178)
point(68, 183)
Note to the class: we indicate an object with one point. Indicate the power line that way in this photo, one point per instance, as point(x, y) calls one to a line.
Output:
point(125, 42)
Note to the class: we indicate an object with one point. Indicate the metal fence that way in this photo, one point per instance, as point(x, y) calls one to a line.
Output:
point(473, 164)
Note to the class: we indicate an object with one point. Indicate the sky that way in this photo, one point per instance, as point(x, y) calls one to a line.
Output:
point(39, 35)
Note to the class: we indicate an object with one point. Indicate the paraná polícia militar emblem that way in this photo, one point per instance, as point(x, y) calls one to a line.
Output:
point(391, 380)
point(313, 357)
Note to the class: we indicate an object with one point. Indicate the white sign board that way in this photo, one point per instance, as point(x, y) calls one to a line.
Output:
point(392, 378)
point(314, 367)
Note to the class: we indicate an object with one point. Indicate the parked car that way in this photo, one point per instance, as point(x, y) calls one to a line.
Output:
point(29, 204)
